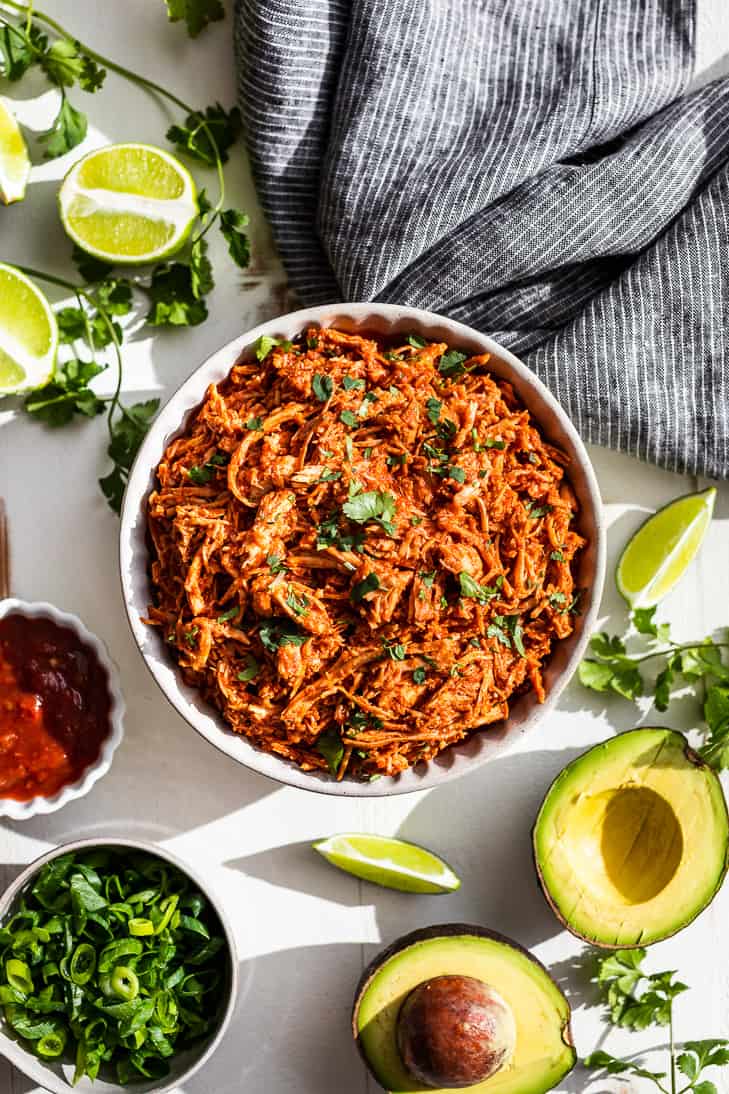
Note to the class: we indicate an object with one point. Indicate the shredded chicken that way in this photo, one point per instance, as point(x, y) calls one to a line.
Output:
point(362, 552)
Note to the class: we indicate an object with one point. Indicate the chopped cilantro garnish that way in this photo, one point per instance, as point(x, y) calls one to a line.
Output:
point(329, 745)
point(416, 341)
point(427, 578)
point(280, 632)
point(496, 630)
point(415, 521)
point(368, 584)
point(276, 564)
point(535, 511)
point(433, 407)
point(472, 590)
point(322, 387)
point(191, 635)
point(419, 674)
point(456, 473)
point(200, 475)
point(397, 460)
point(254, 423)
point(250, 672)
point(330, 476)
point(230, 614)
point(557, 556)
point(374, 505)
point(557, 599)
point(451, 364)
point(350, 382)
point(394, 650)
point(299, 604)
point(348, 418)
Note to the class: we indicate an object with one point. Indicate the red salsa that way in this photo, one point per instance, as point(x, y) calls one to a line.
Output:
point(54, 706)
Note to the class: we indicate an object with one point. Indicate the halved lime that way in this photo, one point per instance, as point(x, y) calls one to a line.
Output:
point(394, 863)
point(14, 159)
point(659, 552)
point(28, 334)
point(128, 203)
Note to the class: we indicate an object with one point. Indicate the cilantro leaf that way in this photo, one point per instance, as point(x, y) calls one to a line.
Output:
point(65, 65)
point(172, 294)
point(451, 364)
point(416, 341)
point(18, 50)
point(470, 588)
point(433, 408)
point(232, 225)
point(197, 14)
point(193, 137)
point(361, 588)
point(202, 281)
point(603, 1061)
point(644, 623)
point(329, 745)
point(67, 131)
point(348, 418)
point(67, 393)
point(127, 433)
point(372, 505)
point(322, 387)
point(91, 269)
point(350, 382)
point(250, 672)
point(280, 632)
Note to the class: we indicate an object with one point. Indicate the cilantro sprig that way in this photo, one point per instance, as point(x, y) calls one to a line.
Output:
point(92, 323)
point(636, 1000)
point(700, 665)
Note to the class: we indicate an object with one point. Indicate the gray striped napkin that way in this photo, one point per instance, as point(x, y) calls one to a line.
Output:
point(529, 167)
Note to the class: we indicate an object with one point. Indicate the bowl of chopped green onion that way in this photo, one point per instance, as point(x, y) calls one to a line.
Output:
point(117, 969)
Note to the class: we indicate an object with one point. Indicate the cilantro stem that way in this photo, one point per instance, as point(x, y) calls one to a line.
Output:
point(141, 81)
point(675, 648)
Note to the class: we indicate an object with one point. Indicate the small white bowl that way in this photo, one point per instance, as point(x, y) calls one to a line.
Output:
point(22, 810)
point(56, 1076)
point(382, 319)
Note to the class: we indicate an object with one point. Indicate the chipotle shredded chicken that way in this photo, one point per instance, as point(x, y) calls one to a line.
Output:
point(362, 552)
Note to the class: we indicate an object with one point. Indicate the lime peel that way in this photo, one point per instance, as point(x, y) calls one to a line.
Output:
point(392, 863)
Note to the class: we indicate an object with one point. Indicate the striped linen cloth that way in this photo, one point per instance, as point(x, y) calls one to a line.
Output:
point(530, 167)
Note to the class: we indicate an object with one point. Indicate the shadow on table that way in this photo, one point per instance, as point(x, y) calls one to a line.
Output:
point(481, 825)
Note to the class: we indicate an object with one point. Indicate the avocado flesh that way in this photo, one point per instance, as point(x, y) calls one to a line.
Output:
point(631, 841)
point(543, 1054)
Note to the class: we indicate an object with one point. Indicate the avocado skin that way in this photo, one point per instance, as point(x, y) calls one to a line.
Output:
point(425, 934)
point(694, 759)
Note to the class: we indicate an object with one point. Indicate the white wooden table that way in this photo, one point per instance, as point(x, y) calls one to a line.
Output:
point(303, 929)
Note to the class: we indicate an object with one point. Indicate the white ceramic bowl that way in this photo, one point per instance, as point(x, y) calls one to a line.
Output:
point(383, 319)
point(56, 1076)
point(22, 810)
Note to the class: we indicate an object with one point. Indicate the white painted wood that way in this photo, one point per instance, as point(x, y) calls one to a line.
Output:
point(303, 929)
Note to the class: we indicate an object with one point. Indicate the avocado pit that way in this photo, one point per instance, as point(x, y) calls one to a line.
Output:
point(455, 1031)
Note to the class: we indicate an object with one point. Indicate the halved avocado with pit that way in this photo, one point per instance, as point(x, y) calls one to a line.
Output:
point(532, 1015)
point(632, 839)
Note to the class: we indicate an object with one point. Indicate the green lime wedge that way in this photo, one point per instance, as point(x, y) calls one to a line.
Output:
point(14, 159)
point(128, 204)
point(657, 555)
point(28, 334)
point(393, 863)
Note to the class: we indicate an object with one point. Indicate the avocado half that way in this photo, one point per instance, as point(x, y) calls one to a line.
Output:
point(543, 1052)
point(632, 839)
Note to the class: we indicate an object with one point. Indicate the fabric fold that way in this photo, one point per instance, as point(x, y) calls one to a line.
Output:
point(533, 170)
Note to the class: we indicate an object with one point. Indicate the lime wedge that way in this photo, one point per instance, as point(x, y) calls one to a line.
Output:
point(128, 203)
point(658, 553)
point(28, 334)
point(14, 160)
point(393, 863)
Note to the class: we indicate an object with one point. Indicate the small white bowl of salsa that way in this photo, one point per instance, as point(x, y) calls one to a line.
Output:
point(61, 708)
